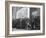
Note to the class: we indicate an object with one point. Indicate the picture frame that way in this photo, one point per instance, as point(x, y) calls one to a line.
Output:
point(32, 6)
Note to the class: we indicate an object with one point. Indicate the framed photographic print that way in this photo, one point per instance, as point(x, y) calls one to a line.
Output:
point(24, 18)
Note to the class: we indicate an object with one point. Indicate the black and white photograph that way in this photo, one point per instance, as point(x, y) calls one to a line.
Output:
point(25, 18)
